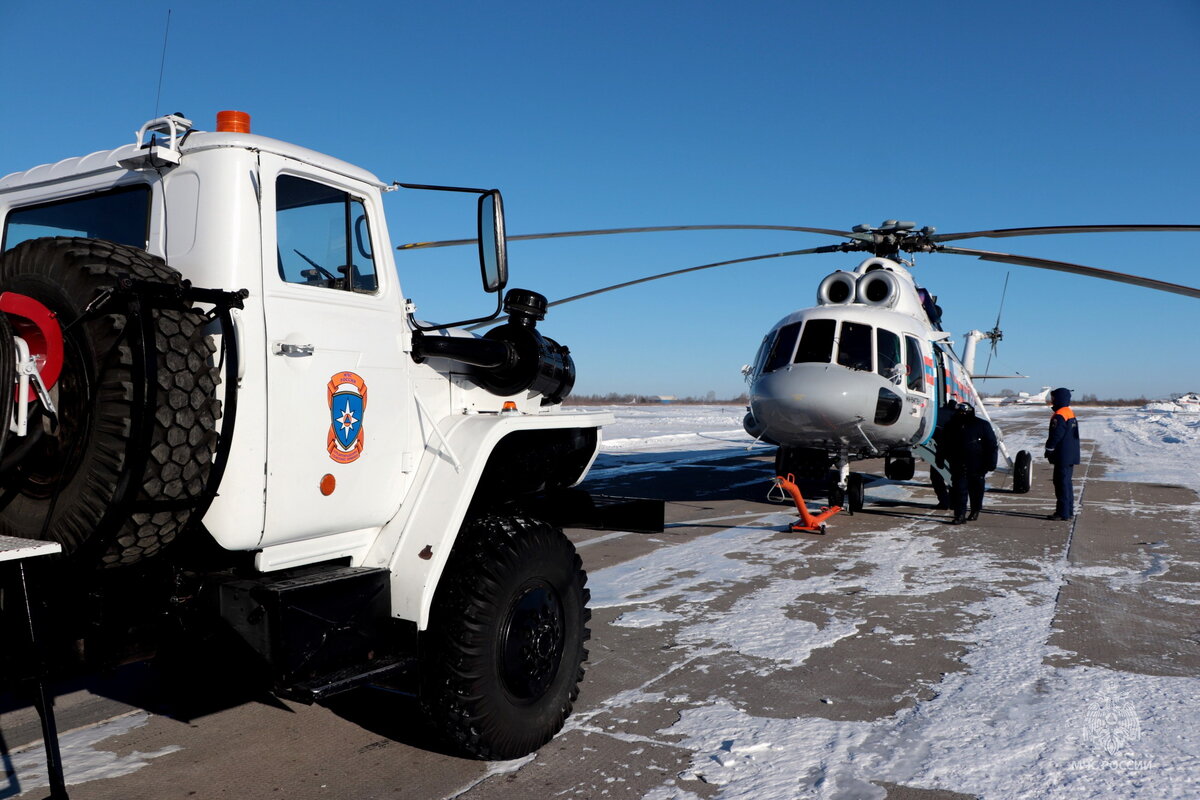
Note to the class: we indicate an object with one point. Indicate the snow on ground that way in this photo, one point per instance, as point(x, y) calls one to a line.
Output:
point(667, 427)
point(1011, 725)
point(83, 757)
point(1151, 446)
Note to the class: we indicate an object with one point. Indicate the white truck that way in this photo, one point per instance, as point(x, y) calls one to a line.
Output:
point(229, 417)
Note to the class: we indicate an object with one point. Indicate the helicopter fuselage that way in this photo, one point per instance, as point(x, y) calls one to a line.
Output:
point(850, 405)
point(860, 375)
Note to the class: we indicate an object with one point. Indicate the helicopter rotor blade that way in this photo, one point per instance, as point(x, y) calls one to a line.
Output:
point(1003, 233)
point(614, 287)
point(1077, 269)
point(652, 229)
point(1003, 294)
point(826, 249)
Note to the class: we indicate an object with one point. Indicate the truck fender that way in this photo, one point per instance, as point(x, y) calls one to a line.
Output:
point(415, 544)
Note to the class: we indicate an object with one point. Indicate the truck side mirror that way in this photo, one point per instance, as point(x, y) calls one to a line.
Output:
point(493, 252)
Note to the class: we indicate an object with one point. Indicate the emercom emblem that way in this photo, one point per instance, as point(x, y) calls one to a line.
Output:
point(347, 394)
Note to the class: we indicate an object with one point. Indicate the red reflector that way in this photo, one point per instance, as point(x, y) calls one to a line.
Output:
point(233, 121)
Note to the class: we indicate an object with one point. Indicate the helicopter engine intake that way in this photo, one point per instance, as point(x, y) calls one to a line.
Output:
point(837, 289)
point(878, 288)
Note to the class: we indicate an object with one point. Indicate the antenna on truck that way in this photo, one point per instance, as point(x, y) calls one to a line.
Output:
point(162, 63)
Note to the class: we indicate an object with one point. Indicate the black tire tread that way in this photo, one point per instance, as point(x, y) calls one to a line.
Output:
point(455, 692)
point(183, 434)
point(854, 492)
point(1022, 470)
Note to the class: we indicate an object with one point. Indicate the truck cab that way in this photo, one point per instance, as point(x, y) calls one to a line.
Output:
point(316, 427)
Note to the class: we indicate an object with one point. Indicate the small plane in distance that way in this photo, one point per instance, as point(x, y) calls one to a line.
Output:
point(1019, 399)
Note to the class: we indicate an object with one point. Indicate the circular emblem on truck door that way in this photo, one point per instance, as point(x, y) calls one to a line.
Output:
point(347, 405)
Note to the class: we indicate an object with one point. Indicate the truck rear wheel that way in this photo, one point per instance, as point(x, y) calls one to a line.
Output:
point(59, 481)
point(503, 658)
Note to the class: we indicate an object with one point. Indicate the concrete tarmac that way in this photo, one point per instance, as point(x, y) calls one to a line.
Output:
point(649, 668)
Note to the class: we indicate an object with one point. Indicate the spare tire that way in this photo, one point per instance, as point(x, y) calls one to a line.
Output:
point(8, 366)
point(60, 483)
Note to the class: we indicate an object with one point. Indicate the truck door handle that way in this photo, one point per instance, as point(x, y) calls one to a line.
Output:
point(293, 350)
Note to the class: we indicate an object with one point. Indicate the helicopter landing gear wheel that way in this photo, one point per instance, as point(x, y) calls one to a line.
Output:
point(850, 498)
point(837, 495)
point(854, 492)
point(1022, 472)
point(899, 468)
point(784, 463)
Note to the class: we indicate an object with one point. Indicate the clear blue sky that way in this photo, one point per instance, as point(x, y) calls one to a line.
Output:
point(956, 114)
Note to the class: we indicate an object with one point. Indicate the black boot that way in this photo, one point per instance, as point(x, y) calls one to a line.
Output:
point(974, 515)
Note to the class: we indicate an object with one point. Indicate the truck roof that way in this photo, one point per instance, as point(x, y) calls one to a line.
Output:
point(108, 160)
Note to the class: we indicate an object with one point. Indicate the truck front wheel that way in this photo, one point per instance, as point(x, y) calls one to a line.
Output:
point(503, 658)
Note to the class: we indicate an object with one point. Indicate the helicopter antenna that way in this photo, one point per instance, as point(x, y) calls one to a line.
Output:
point(162, 64)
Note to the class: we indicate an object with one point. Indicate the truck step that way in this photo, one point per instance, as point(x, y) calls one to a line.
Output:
point(324, 686)
point(311, 621)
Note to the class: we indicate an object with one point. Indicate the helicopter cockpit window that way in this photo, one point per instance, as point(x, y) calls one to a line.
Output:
point(854, 350)
point(785, 343)
point(760, 358)
point(323, 236)
point(817, 342)
point(887, 349)
point(916, 364)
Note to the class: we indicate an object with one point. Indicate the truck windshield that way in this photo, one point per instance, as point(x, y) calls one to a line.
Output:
point(120, 215)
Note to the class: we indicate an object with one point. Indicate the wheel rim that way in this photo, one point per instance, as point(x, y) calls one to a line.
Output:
point(532, 641)
point(52, 457)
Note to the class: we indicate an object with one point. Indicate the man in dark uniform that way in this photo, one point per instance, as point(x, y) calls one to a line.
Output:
point(1062, 450)
point(971, 450)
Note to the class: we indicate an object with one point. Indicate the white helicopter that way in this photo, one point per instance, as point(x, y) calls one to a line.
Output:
point(866, 372)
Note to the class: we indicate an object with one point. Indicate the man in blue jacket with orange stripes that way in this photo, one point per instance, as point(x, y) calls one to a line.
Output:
point(1062, 450)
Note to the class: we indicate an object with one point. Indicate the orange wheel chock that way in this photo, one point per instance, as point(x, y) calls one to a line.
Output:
point(808, 523)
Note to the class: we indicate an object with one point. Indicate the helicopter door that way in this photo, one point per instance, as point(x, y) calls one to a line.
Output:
point(920, 381)
point(939, 384)
point(919, 373)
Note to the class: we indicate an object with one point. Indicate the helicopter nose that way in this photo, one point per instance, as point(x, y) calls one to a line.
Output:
point(813, 402)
